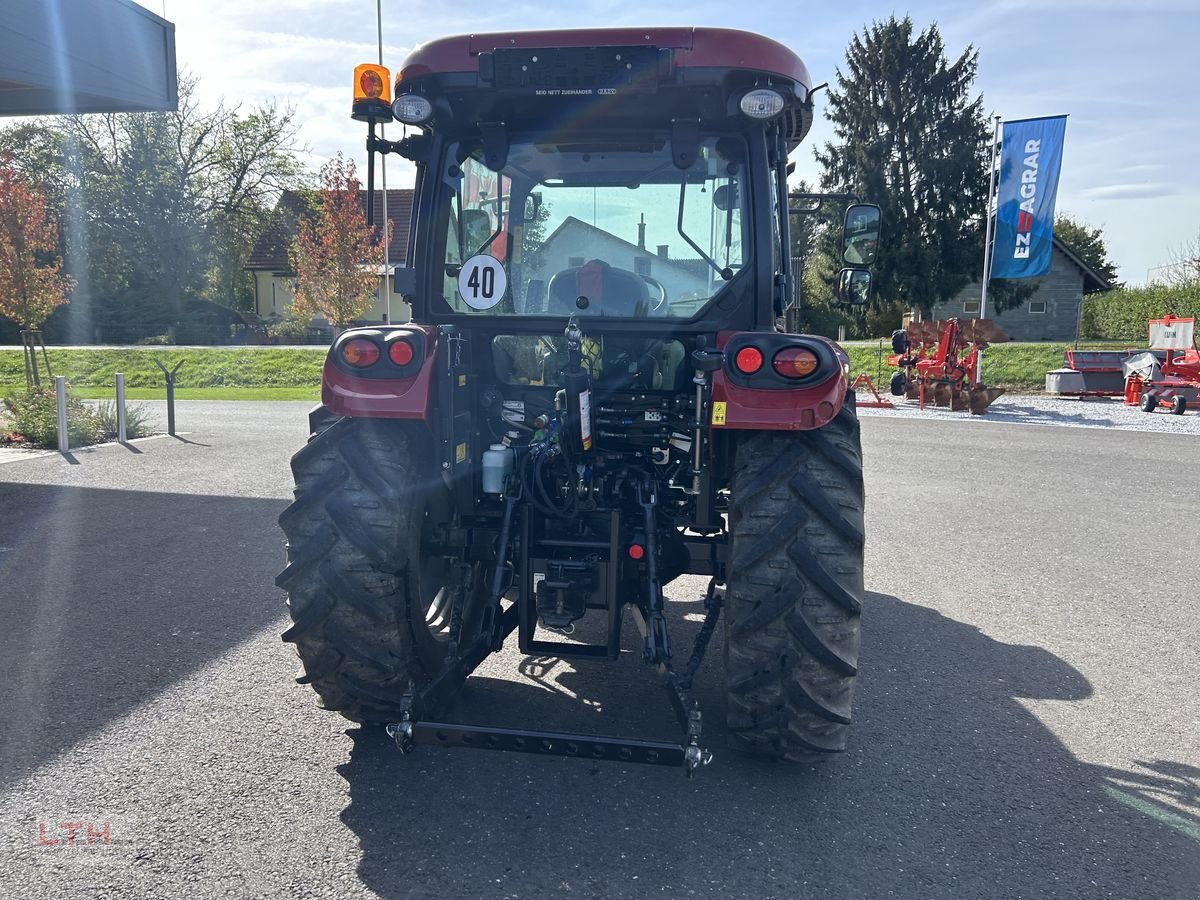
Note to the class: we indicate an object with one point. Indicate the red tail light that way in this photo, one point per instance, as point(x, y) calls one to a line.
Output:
point(401, 353)
point(360, 353)
point(748, 360)
point(795, 362)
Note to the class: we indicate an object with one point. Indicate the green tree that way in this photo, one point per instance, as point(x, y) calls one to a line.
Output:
point(910, 137)
point(183, 194)
point(1088, 244)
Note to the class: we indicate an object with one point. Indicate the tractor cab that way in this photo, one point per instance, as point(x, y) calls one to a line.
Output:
point(636, 176)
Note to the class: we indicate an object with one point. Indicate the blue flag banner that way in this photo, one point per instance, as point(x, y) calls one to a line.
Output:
point(1030, 157)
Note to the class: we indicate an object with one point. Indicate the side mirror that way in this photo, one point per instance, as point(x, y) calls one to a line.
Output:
point(860, 234)
point(725, 197)
point(533, 206)
point(854, 287)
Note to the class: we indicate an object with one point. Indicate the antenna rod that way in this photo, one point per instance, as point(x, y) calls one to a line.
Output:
point(387, 222)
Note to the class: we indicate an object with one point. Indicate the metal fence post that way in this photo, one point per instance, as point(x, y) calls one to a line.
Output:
point(170, 376)
point(60, 393)
point(121, 407)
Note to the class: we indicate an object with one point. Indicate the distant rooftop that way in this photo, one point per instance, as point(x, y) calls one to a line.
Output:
point(270, 251)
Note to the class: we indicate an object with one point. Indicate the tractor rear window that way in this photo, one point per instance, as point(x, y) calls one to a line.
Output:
point(594, 228)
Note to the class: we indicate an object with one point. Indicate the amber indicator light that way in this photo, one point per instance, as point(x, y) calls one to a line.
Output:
point(795, 362)
point(360, 353)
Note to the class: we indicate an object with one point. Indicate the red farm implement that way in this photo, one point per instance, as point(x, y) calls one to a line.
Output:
point(878, 402)
point(939, 363)
point(1172, 382)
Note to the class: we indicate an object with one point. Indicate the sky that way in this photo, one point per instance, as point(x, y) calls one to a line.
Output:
point(1124, 71)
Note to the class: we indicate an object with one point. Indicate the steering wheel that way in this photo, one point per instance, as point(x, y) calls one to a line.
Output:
point(661, 302)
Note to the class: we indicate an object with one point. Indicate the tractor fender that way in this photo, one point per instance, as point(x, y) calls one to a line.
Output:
point(374, 394)
point(776, 406)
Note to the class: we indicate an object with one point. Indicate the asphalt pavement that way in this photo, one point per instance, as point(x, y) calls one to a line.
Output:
point(1026, 723)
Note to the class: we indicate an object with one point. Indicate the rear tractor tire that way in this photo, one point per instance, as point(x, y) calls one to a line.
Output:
point(369, 587)
point(795, 589)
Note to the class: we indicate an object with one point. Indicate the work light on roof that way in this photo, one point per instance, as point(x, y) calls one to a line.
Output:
point(412, 109)
point(762, 103)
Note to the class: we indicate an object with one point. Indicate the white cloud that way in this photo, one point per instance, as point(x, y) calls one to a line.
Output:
point(1141, 191)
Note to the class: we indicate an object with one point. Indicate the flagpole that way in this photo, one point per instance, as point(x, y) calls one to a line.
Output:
point(987, 240)
point(387, 223)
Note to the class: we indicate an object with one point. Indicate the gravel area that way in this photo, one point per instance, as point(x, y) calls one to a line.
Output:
point(1018, 409)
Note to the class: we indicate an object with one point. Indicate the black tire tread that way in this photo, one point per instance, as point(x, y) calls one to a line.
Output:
point(795, 590)
point(350, 540)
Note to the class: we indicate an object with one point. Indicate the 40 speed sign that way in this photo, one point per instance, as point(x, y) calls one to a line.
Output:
point(482, 281)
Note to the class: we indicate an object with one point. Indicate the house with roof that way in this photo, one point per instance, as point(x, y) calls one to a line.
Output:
point(274, 277)
point(1050, 314)
point(575, 242)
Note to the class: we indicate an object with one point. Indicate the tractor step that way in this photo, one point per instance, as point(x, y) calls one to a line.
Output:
point(544, 743)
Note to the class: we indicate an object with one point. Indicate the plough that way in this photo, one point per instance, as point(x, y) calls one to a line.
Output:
point(938, 363)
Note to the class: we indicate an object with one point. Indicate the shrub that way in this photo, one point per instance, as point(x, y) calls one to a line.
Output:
point(35, 418)
point(137, 420)
point(288, 326)
point(1121, 315)
point(156, 340)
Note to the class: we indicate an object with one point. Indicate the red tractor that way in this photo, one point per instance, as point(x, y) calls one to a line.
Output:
point(593, 398)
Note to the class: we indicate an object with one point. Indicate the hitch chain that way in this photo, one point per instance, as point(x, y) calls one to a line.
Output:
point(687, 710)
point(402, 732)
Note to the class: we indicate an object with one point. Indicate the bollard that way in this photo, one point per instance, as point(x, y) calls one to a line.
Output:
point(170, 376)
point(60, 393)
point(121, 407)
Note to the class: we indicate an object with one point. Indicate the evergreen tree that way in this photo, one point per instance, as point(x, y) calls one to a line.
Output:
point(910, 137)
point(1088, 244)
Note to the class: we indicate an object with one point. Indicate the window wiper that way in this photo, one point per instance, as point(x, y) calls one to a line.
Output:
point(725, 273)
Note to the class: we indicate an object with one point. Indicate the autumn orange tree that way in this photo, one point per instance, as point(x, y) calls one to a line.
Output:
point(330, 252)
point(31, 280)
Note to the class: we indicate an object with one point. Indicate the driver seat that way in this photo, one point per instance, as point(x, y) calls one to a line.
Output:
point(610, 291)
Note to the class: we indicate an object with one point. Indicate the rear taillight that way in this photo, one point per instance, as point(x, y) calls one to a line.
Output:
point(795, 362)
point(360, 353)
point(748, 360)
point(401, 353)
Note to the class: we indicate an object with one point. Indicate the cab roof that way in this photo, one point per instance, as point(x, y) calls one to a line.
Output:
point(691, 48)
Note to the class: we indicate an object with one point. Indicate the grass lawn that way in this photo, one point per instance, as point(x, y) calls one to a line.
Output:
point(1016, 367)
point(294, 373)
point(222, 393)
point(218, 373)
